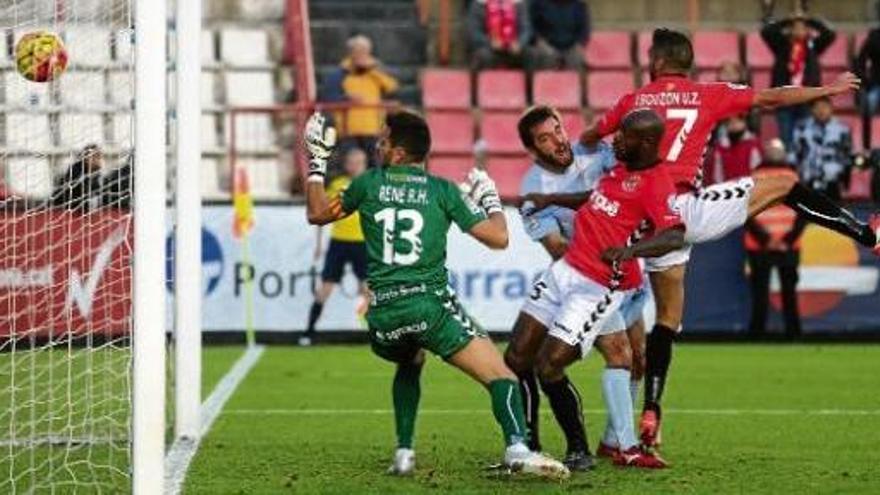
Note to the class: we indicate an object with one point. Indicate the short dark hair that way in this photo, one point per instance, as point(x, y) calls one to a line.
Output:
point(532, 117)
point(674, 48)
point(409, 130)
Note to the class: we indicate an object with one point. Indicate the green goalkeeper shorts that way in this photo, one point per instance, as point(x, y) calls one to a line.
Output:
point(434, 321)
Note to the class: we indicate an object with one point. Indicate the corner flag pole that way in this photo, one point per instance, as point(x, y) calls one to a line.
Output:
point(242, 224)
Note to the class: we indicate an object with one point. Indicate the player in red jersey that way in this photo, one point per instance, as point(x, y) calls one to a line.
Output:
point(600, 268)
point(690, 110)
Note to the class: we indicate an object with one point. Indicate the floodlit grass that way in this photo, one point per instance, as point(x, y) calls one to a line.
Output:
point(740, 419)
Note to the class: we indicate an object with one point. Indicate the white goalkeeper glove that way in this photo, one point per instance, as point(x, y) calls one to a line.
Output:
point(320, 141)
point(481, 190)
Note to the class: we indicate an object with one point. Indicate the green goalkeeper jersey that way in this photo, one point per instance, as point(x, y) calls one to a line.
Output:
point(405, 215)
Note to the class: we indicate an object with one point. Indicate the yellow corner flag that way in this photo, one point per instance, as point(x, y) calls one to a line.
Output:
point(242, 204)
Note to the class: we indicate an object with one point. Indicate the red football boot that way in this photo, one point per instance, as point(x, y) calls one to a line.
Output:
point(649, 429)
point(606, 451)
point(636, 457)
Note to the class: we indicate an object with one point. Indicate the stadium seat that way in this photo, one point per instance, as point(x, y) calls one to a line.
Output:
point(21, 93)
point(4, 49)
point(28, 131)
point(209, 132)
point(609, 50)
point(561, 89)
point(249, 88)
point(604, 88)
point(712, 48)
point(573, 122)
point(762, 79)
point(79, 129)
point(244, 47)
point(265, 180)
point(121, 89)
point(29, 176)
point(859, 184)
point(501, 90)
point(837, 55)
point(208, 48)
point(499, 132)
point(207, 81)
point(83, 90)
point(707, 76)
point(451, 132)
point(87, 45)
point(875, 132)
point(643, 42)
point(507, 172)
point(210, 178)
point(454, 168)
point(253, 133)
point(758, 56)
point(446, 89)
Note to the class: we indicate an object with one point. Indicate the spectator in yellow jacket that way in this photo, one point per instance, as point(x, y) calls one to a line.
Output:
point(365, 83)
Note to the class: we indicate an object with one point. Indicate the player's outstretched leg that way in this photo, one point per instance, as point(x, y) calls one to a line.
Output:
point(668, 287)
point(815, 207)
point(616, 351)
point(528, 333)
point(565, 401)
point(482, 361)
point(406, 392)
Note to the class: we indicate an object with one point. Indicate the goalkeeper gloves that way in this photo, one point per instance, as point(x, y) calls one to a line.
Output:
point(320, 141)
point(481, 190)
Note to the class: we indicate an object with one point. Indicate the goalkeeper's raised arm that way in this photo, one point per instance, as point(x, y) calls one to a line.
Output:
point(320, 141)
point(480, 190)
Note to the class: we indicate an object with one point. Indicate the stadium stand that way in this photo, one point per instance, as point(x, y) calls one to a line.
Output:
point(446, 89)
point(711, 48)
point(604, 88)
point(758, 56)
point(454, 168)
point(451, 132)
point(561, 89)
point(32, 174)
point(609, 50)
point(508, 172)
point(501, 90)
point(837, 55)
point(498, 129)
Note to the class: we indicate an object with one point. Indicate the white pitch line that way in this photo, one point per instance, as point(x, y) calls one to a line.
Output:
point(183, 450)
point(454, 412)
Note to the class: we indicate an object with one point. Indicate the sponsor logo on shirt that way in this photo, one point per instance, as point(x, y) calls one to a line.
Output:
point(631, 183)
point(603, 204)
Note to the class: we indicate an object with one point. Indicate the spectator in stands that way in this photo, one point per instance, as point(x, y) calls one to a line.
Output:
point(346, 246)
point(868, 68)
point(823, 149)
point(498, 31)
point(79, 188)
point(736, 153)
point(773, 240)
point(796, 43)
point(562, 29)
point(117, 185)
point(363, 83)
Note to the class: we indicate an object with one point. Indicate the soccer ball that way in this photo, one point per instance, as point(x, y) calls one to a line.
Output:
point(40, 56)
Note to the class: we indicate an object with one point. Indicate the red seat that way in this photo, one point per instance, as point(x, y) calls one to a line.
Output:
point(501, 90)
point(758, 56)
point(858, 41)
point(761, 79)
point(605, 88)
point(609, 50)
point(561, 89)
point(507, 172)
point(712, 48)
point(451, 167)
point(854, 122)
point(644, 40)
point(836, 56)
point(573, 123)
point(451, 132)
point(498, 130)
point(446, 89)
point(707, 76)
point(875, 132)
point(859, 184)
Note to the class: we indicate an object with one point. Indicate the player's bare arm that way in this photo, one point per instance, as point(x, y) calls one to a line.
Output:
point(664, 242)
point(320, 210)
point(555, 245)
point(492, 232)
point(539, 202)
point(791, 95)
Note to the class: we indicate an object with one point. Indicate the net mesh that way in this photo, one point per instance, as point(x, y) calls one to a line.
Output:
point(65, 252)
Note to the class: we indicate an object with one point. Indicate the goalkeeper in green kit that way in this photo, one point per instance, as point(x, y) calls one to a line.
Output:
point(405, 214)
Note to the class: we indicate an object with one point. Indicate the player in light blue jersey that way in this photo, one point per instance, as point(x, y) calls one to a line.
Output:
point(564, 168)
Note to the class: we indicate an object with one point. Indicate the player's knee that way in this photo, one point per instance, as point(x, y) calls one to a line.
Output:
point(617, 352)
point(550, 366)
point(516, 360)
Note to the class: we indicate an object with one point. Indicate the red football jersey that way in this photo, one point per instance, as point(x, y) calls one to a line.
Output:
point(690, 110)
point(624, 204)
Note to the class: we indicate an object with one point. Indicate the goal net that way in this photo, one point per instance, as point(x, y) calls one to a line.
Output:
point(66, 252)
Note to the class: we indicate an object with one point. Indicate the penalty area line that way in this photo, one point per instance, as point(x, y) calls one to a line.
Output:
point(454, 412)
point(183, 450)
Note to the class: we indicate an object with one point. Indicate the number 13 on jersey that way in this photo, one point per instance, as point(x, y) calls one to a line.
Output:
point(400, 225)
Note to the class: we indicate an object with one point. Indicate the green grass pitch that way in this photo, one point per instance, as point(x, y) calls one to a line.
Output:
point(740, 419)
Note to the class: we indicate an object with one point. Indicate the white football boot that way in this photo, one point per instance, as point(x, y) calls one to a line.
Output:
point(519, 459)
point(404, 462)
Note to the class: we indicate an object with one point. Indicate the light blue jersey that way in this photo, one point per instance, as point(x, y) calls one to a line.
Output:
point(582, 175)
